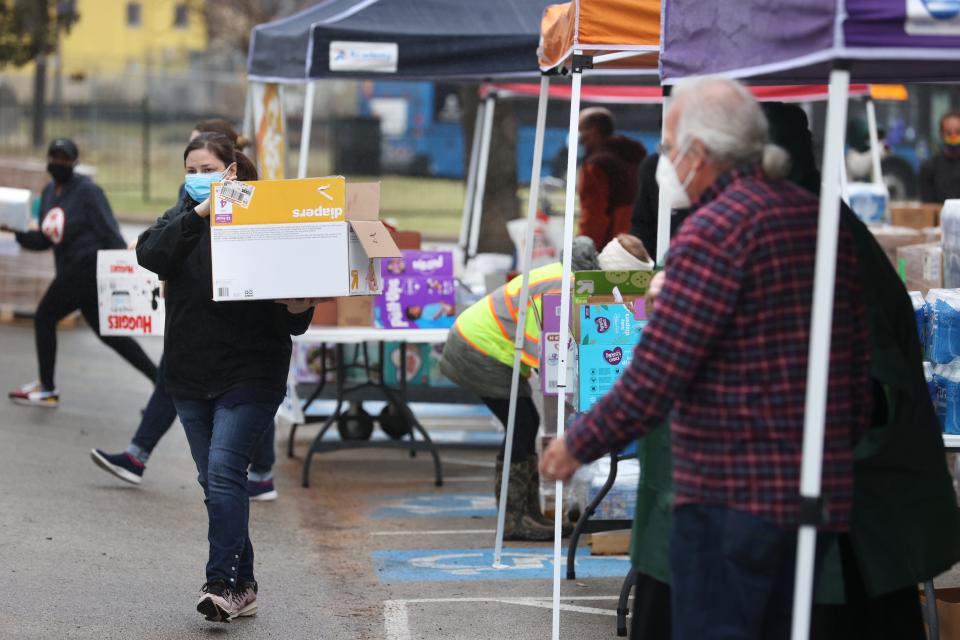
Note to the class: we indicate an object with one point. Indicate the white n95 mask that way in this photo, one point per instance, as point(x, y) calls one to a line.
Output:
point(674, 191)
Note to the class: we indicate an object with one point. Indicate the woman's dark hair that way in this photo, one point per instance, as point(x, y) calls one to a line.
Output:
point(223, 148)
point(221, 126)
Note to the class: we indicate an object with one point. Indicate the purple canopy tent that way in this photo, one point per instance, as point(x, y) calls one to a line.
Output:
point(805, 41)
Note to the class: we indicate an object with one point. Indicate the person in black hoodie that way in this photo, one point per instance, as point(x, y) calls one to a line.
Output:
point(226, 369)
point(77, 222)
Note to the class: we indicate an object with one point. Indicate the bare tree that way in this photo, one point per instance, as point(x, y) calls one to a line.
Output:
point(229, 24)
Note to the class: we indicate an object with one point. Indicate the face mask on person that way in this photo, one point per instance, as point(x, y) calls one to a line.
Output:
point(197, 185)
point(674, 190)
point(60, 172)
point(951, 141)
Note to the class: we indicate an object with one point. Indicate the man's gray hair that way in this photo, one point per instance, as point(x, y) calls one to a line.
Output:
point(725, 117)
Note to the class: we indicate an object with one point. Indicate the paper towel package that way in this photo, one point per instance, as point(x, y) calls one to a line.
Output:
point(15, 208)
point(310, 238)
point(128, 296)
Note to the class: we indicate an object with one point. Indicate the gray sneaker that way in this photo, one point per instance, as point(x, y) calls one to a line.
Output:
point(220, 603)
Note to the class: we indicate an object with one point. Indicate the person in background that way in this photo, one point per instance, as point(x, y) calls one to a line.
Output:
point(479, 356)
point(725, 355)
point(76, 222)
point(607, 184)
point(129, 465)
point(643, 223)
point(940, 175)
point(226, 369)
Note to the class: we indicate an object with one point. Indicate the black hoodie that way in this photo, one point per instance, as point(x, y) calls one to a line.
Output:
point(76, 224)
point(211, 347)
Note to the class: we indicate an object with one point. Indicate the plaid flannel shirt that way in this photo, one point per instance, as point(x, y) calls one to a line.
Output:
point(726, 350)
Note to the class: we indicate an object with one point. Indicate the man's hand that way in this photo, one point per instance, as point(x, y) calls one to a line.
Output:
point(299, 305)
point(656, 286)
point(557, 462)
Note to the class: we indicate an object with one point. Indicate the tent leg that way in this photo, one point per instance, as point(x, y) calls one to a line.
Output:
point(874, 141)
point(305, 129)
point(819, 351)
point(525, 264)
point(663, 207)
point(477, 215)
point(577, 78)
point(471, 182)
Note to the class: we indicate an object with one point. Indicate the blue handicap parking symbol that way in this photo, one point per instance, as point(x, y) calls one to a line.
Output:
point(445, 505)
point(429, 565)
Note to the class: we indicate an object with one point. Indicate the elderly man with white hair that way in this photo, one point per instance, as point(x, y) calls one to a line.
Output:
point(725, 358)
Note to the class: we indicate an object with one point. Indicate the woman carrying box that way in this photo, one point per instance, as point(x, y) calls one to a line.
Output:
point(226, 369)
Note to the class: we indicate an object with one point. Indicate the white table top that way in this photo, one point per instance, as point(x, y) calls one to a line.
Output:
point(951, 441)
point(355, 335)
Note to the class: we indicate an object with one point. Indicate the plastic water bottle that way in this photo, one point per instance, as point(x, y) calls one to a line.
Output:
point(950, 228)
point(943, 325)
point(920, 313)
point(868, 201)
point(948, 397)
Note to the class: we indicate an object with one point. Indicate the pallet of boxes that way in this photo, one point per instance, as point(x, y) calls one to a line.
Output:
point(608, 317)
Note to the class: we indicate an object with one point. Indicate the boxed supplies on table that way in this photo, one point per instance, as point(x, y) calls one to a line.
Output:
point(921, 266)
point(550, 347)
point(943, 325)
point(890, 238)
point(417, 368)
point(916, 215)
point(309, 238)
point(128, 296)
point(869, 201)
point(419, 292)
point(620, 503)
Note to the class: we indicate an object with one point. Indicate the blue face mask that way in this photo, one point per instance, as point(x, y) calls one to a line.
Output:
point(197, 185)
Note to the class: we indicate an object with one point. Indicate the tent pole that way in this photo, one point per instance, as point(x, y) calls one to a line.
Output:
point(305, 128)
point(574, 128)
point(874, 141)
point(481, 183)
point(471, 182)
point(663, 207)
point(525, 266)
point(819, 351)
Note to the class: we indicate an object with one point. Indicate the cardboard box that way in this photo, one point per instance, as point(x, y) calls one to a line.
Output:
point(948, 612)
point(422, 264)
point(550, 348)
point(407, 240)
point(921, 266)
point(416, 303)
point(311, 238)
point(355, 312)
point(612, 323)
point(610, 543)
point(890, 238)
point(15, 208)
point(587, 284)
point(128, 296)
point(325, 314)
point(599, 367)
point(418, 364)
point(916, 215)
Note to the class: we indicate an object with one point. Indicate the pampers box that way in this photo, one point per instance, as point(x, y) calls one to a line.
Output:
point(420, 263)
point(128, 296)
point(411, 302)
point(309, 238)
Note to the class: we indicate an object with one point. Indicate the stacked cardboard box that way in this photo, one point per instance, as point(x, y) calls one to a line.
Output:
point(921, 266)
point(916, 215)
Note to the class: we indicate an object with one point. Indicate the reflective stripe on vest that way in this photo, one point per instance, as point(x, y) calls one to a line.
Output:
point(504, 304)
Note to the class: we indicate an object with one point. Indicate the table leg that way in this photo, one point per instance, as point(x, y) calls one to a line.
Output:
point(401, 405)
point(315, 445)
point(623, 604)
point(316, 394)
point(585, 517)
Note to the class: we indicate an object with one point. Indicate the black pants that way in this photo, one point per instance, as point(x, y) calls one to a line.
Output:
point(525, 429)
point(651, 610)
point(77, 289)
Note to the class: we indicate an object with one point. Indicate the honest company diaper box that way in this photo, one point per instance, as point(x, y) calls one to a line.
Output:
point(608, 335)
point(550, 348)
point(309, 238)
point(128, 296)
point(599, 367)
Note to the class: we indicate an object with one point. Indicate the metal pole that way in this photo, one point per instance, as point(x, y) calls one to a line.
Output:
point(525, 262)
point(574, 129)
point(663, 207)
point(818, 367)
point(477, 216)
point(874, 141)
point(467, 217)
point(305, 129)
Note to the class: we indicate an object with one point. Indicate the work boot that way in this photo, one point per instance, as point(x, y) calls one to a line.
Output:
point(533, 498)
point(519, 523)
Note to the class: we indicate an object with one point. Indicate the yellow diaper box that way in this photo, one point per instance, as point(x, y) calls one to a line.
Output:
point(309, 238)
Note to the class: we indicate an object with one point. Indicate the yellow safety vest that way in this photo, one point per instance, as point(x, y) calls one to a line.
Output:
point(490, 325)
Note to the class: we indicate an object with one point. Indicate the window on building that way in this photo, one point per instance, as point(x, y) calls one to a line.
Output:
point(180, 15)
point(134, 14)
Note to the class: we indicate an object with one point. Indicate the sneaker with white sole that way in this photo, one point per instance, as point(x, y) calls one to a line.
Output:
point(261, 490)
point(123, 465)
point(248, 591)
point(220, 603)
point(33, 395)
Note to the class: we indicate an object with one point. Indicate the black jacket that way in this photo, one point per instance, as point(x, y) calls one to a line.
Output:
point(86, 224)
point(643, 223)
point(213, 347)
point(940, 178)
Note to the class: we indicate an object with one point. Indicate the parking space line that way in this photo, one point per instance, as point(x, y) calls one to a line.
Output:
point(435, 532)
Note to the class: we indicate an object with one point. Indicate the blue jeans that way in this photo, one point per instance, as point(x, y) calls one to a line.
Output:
point(222, 439)
point(160, 413)
point(732, 575)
